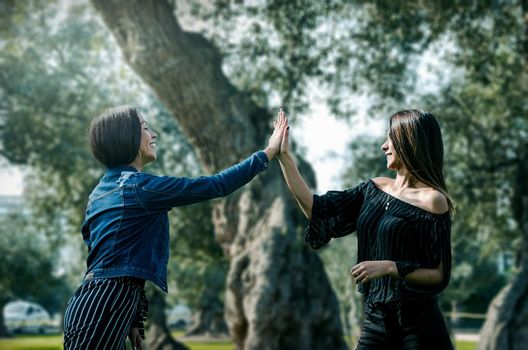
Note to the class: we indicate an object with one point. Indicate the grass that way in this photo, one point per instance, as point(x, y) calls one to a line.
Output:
point(54, 342)
point(466, 345)
point(32, 342)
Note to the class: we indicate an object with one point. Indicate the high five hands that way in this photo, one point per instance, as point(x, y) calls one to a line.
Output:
point(285, 146)
point(278, 141)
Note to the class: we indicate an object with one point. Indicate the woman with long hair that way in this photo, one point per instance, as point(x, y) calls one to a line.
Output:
point(403, 227)
point(126, 227)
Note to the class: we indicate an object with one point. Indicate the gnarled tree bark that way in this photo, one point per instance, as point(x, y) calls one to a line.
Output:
point(278, 295)
point(506, 326)
point(209, 320)
point(3, 330)
point(158, 336)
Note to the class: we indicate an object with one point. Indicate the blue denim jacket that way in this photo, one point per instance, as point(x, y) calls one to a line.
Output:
point(126, 225)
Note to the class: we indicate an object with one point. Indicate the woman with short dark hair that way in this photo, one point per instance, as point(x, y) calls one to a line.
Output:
point(126, 227)
point(403, 228)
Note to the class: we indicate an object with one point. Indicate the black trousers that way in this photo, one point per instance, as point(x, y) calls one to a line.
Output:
point(101, 313)
point(410, 325)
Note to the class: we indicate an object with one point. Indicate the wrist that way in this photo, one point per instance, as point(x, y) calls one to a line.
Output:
point(392, 269)
point(270, 152)
point(284, 156)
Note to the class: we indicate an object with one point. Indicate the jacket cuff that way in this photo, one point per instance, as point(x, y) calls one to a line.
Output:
point(263, 158)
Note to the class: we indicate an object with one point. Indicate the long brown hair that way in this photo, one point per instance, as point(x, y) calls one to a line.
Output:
point(417, 140)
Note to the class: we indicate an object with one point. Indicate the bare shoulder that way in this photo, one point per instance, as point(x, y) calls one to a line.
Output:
point(434, 200)
point(382, 182)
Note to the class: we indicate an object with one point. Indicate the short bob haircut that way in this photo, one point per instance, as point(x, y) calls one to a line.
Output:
point(115, 136)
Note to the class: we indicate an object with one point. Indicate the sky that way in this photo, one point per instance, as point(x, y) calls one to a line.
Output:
point(326, 138)
point(10, 181)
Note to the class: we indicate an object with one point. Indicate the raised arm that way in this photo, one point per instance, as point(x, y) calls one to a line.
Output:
point(165, 192)
point(302, 193)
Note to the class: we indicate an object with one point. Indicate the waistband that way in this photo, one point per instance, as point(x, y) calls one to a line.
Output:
point(134, 281)
point(395, 305)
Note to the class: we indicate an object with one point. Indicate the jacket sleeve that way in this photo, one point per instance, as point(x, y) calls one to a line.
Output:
point(334, 214)
point(165, 192)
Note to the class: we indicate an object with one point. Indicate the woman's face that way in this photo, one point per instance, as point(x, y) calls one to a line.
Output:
point(393, 162)
point(147, 146)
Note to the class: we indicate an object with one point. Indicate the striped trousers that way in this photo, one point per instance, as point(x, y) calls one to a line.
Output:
point(101, 313)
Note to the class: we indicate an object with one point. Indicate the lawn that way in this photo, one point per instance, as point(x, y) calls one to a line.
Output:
point(466, 345)
point(54, 342)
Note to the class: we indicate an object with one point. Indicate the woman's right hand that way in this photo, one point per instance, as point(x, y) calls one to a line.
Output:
point(302, 193)
point(285, 145)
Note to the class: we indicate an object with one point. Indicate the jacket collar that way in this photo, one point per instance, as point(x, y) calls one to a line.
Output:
point(119, 169)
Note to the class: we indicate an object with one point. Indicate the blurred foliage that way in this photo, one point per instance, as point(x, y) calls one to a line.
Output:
point(58, 69)
point(26, 265)
point(339, 256)
point(51, 85)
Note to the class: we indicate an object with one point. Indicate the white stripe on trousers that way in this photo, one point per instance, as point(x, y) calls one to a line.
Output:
point(100, 312)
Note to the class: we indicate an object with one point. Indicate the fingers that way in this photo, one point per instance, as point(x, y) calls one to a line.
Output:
point(281, 118)
point(362, 278)
point(284, 143)
point(137, 342)
point(284, 135)
point(355, 267)
point(358, 273)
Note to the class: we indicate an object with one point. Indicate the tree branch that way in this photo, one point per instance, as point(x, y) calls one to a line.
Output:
point(184, 69)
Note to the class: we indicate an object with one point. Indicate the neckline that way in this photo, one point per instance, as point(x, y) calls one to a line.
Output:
point(412, 206)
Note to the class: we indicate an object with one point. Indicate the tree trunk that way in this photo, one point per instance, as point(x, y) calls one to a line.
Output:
point(506, 327)
point(3, 330)
point(278, 295)
point(209, 319)
point(158, 336)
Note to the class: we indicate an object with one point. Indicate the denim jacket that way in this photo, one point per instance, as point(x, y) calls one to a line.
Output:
point(126, 225)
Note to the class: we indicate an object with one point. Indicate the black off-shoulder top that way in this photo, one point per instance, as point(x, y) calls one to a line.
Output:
point(411, 236)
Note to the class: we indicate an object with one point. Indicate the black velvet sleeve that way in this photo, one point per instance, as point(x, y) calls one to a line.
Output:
point(436, 249)
point(439, 250)
point(334, 214)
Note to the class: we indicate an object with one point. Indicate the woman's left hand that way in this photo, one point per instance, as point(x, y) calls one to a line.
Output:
point(135, 339)
point(369, 270)
point(274, 143)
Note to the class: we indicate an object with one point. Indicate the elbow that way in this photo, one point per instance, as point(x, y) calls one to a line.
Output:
point(438, 278)
point(438, 275)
